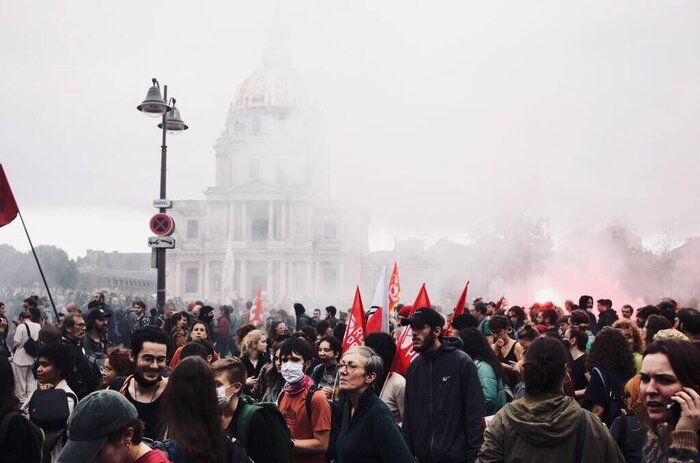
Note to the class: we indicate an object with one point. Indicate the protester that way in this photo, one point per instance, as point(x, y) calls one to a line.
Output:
point(138, 318)
point(331, 312)
point(96, 332)
point(577, 340)
point(606, 315)
point(644, 313)
point(20, 445)
point(628, 430)
point(222, 331)
point(627, 311)
point(238, 419)
point(368, 432)
point(302, 318)
point(671, 375)
point(488, 368)
point(21, 360)
point(105, 428)
point(206, 314)
point(611, 365)
point(441, 423)
point(390, 385)
point(480, 312)
point(84, 377)
point(325, 375)
point(516, 316)
point(200, 330)
point(633, 335)
point(4, 332)
point(55, 362)
point(178, 333)
point(546, 425)
point(310, 429)
point(507, 350)
point(688, 323)
point(254, 357)
point(270, 381)
point(190, 424)
point(653, 325)
point(115, 365)
point(585, 303)
point(145, 388)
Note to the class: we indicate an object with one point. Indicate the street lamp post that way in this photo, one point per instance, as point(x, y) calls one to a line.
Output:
point(156, 105)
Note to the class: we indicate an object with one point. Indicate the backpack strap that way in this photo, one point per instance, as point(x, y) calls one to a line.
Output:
point(307, 401)
point(602, 378)
point(125, 385)
point(580, 437)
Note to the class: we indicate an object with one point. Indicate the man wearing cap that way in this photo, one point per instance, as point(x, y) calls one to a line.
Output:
point(104, 426)
point(444, 402)
point(96, 338)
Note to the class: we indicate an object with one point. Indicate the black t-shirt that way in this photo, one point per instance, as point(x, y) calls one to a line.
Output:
point(149, 413)
point(258, 447)
point(578, 372)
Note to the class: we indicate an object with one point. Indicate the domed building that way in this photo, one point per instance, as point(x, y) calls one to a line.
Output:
point(268, 222)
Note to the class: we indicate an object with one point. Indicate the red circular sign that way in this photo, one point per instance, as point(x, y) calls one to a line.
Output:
point(162, 224)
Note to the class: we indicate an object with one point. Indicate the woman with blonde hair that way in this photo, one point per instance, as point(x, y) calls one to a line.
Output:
point(254, 357)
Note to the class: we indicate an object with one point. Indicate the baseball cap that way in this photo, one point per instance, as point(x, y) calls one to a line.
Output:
point(94, 418)
point(424, 316)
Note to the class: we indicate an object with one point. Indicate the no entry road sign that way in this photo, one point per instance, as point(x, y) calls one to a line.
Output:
point(162, 225)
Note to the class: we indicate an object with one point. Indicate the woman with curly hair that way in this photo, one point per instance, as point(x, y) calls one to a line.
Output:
point(634, 337)
point(611, 364)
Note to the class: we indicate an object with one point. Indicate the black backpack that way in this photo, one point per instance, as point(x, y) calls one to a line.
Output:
point(48, 408)
point(36, 452)
point(616, 403)
point(336, 422)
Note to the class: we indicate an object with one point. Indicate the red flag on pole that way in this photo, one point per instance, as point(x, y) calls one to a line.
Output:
point(378, 321)
point(256, 311)
point(404, 349)
point(8, 205)
point(394, 290)
point(355, 331)
point(459, 308)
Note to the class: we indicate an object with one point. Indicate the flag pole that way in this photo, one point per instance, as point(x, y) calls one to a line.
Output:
point(38, 265)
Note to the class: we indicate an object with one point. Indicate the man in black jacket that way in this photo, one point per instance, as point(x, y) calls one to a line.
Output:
point(444, 403)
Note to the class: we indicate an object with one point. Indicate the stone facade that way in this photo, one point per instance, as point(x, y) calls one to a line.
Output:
point(270, 203)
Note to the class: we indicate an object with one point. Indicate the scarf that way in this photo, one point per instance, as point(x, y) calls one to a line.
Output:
point(298, 387)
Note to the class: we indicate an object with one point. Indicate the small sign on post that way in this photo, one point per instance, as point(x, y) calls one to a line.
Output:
point(162, 203)
point(162, 225)
point(163, 242)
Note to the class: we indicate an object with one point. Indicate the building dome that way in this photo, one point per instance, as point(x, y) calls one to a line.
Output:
point(271, 86)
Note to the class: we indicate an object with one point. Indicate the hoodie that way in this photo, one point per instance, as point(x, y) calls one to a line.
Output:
point(544, 429)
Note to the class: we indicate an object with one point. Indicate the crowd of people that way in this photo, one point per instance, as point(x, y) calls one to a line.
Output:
point(497, 383)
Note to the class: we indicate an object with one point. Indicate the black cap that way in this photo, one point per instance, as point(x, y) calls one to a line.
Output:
point(98, 314)
point(424, 316)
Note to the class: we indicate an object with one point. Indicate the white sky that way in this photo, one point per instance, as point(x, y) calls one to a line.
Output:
point(440, 116)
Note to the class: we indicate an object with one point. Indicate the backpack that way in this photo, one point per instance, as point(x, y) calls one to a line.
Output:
point(48, 408)
point(37, 451)
point(236, 452)
point(277, 431)
point(336, 422)
point(31, 347)
point(616, 404)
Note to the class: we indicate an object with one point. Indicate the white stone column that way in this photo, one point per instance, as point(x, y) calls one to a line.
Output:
point(178, 279)
point(207, 279)
point(283, 221)
point(270, 217)
point(244, 222)
point(243, 285)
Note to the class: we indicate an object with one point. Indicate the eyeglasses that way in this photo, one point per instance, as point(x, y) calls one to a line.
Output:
point(348, 367)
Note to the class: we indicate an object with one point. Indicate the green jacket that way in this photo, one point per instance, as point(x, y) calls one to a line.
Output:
point(494, 393)
point(371, 435)
point(544, 429)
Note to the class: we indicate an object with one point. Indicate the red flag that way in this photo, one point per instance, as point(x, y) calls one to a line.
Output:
point(404, 348)
point(8, 205)
point(459, 308)
point(256, 311)
point(378, 321)
point(394, 290)
point(355, 331)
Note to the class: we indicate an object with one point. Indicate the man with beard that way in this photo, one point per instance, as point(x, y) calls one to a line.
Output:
point(444, 402)
point(96, 339)
point(144, 389)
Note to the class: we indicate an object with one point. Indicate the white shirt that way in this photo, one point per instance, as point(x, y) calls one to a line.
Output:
point(20, 357)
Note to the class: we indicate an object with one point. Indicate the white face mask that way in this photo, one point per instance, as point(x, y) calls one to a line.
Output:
point(292, 372)
point(221, 396)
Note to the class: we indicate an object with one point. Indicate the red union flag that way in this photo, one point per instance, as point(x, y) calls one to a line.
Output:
point(404, 348)
point(256, 311)
point(355, 331)
point(459, 308)
point(8, 205)
point(394, 290)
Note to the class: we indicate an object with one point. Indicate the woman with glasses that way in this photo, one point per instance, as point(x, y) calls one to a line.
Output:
point(368, 432)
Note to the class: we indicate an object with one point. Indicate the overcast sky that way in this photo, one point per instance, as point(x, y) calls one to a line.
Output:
point(439, 116)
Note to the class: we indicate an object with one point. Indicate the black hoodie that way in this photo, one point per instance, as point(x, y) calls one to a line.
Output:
point(444, 406)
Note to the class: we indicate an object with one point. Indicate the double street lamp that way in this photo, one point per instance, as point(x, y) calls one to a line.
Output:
point(154, 106)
